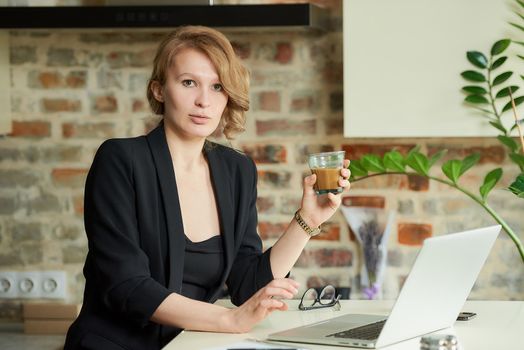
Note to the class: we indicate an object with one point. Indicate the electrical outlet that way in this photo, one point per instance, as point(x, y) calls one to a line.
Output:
point(28, 283)
point(49, 284)
point(8, 288)
point(53, 284)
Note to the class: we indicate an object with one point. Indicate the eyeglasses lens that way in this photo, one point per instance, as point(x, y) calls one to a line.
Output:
point(310, 297)
point(327, 295)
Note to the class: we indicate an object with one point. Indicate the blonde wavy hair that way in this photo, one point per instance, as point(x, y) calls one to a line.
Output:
point(233, 76)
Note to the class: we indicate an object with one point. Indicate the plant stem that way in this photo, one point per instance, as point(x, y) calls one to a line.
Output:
point(490, 92)
point(517, 121)
point(477, 199)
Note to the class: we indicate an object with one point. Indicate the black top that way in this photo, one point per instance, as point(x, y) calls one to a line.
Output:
point(203, 265)
point(130, 202)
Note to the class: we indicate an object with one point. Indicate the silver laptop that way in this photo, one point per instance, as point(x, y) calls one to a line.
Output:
point(432, 296)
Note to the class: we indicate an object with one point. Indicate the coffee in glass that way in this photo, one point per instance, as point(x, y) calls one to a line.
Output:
point(327, 166)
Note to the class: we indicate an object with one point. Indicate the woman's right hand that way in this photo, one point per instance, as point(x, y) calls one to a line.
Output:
point(261, 304)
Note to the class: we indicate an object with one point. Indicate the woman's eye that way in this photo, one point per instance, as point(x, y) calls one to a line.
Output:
point(188, 83)
point(217, 87)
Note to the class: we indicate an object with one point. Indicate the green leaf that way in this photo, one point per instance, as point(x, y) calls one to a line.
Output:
point(490, 181)
point(521, 57)
point(500, 46)
point(518, 100)
point(498, 126)
point(518, 159)
point(519, 42)
point(476, 99)
point(393, 160)
point(521, 3)
point(521, 121)
point(505, 91)
point(499, 79)
point(508, 142)
point(418, 162)
point(517, 187)
point(373, 163)
point(477, 59)
point(414, 150)
point(436, 157)
point(357, 170)
point(468, 162)
point(517, 26)
point(498, 62)
point(473, 75)
point(452, 169)
point(474, 89)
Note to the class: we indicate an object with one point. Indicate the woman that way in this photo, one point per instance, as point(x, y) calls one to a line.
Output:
point(170, 217)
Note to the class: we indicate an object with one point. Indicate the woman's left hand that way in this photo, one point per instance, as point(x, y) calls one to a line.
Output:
point(316, 209)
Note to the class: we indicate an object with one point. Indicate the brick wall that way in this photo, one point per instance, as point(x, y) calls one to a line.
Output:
point(72, 90)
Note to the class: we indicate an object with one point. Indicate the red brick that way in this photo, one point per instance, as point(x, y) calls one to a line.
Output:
point(325, 257)
point(364, 201)
point(413, 234)
point(302, 103)
point(352, 236)
point(139, 105)
point(268, 230)
point(68, 177)
point(269, 101)
point(242, 50)
point(418, 183)
point(334, 126)
point(356, 151)
point(265, 205)
point(50, 80)
point(488, 154)
point(333, 73)
point(284, 53)
point(76, 80)
point(78, 204)
point(265, 154)
point(321, 281)
point(330, 232)
point(52, 105)
point(30, 129)
point(105, 104)
point(274, 179)
point(88, 130)
point(281, 127)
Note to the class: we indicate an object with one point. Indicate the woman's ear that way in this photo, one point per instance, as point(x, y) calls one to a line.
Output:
point(156, 89)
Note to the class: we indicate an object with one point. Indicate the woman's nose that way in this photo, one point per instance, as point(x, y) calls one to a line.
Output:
point(202, 99)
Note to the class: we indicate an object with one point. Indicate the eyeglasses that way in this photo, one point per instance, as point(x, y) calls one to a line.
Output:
point(312, 300)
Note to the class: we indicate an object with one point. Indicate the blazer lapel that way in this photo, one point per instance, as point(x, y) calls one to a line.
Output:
point(223, 194)
point(175, 227)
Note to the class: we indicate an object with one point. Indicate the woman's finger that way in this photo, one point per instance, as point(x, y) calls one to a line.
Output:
point(275, 292)
point(346, 163)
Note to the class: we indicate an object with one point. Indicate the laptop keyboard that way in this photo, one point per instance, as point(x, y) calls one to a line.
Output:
point(367, 332)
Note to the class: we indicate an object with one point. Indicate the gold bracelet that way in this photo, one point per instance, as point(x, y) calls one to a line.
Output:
point(310, 231)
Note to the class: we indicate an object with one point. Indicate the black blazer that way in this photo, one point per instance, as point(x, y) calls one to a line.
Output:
point(131, 200)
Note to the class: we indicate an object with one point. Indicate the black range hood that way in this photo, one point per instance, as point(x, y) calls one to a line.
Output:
point(225, 16)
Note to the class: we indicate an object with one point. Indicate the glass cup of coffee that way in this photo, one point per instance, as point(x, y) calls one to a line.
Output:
point(327, 166)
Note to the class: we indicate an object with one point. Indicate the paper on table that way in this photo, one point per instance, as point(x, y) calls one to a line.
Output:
point(249, 344)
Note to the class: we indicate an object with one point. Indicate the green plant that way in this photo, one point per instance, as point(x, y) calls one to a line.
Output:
point(417, 163)
point(487, 91)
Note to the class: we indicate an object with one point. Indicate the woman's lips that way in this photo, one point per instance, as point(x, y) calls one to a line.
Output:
point(199, 119)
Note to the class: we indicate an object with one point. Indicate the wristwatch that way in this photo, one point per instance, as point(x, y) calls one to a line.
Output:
point(310, 231)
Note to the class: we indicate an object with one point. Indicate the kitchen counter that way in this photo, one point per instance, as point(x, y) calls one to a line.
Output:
point(12, 337)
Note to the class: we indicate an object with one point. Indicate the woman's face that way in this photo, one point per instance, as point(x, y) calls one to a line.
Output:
point(193, 96)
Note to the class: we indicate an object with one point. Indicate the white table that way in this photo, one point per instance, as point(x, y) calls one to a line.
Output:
point(499, 325)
